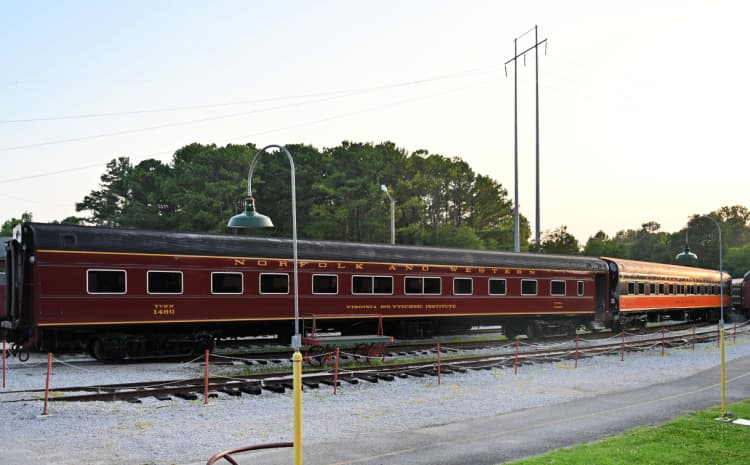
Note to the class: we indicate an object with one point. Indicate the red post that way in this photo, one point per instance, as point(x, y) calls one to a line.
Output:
point(336, 371)
point(515, 364)
point(622, 351)
point(46, 388)
point(576, 351)
point(205, 384)
point(5, 358)
point(438, 361)
point(662, 343)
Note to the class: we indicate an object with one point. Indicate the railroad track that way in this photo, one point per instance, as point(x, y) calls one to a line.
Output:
point(508, 355)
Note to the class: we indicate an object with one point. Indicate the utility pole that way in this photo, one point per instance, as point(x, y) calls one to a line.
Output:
point(516, 55)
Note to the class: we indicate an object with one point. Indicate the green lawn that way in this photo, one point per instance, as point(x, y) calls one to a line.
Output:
point(695, 439)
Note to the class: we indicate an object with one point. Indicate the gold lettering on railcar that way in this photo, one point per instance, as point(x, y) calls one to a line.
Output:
point(359, 266)
point(340, 266)
point(239, 262)
point(322, 265)
point(262, 263)
point(164, 309)
point(283, 264)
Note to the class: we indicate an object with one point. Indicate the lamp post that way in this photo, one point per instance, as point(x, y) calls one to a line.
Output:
point(384, 188)
point(252, 219)
point(688, 255)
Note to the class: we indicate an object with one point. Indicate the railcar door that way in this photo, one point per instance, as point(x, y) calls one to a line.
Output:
point(14, 283)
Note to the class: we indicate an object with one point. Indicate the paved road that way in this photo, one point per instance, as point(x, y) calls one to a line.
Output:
point(506, 437)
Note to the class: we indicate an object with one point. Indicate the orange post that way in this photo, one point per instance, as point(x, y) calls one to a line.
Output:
point(515, 364)
point(336, 371)
point(576, 351)
point(46, 388)
point(438, 361)
point(205, 384)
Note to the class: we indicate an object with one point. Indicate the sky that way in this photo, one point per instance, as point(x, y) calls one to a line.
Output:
point(640, 113)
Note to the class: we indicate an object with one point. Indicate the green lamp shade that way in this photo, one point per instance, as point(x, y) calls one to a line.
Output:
point(686, 255)
point(250, 218)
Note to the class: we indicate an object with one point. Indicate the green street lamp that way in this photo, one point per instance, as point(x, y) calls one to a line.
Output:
point(384, 188)
point(688, 255)
point(250, 218)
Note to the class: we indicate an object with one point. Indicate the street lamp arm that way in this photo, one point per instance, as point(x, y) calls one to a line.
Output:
point(255, 161)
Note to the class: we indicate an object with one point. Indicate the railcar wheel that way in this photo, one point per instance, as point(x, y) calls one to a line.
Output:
point(315, 356)
point(97, 349)
point(531, 331)
point(361, 352)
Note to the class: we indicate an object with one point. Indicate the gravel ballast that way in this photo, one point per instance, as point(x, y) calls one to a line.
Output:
point(180, 431)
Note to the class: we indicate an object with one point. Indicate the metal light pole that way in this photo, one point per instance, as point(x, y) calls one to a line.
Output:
point(252, 219)
point(686, 254)
point(384, 188)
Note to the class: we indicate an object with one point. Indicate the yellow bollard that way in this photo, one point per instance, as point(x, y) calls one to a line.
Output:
point(723, 378)
point(297, 387)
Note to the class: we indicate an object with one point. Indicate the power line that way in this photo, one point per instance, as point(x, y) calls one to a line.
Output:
point(346, 93)
point(302, 124)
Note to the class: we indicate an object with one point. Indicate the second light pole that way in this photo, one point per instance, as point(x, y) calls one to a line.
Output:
point(384, 188)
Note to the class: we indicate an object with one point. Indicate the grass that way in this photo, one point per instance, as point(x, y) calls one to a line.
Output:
point(695, 439)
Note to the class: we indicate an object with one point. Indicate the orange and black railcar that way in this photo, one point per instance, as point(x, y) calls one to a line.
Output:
point(650, 292)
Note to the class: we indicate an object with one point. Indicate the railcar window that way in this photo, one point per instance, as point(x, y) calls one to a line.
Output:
point(463, 286)
point(414, 285)
point(325, 284)
point(272, 283)
point(226, 283)
point(362, 285)
point(432, 285)
point(497, 287)
point(164, 282)
point(382, 284)
point(631, 288)
point(528, 287)
point(661, 288)
point(641, 288)
point(580, 287)
point(652, 288)
point(557, 288)
point(106, 281)
point(671, 289)
point(372, 285)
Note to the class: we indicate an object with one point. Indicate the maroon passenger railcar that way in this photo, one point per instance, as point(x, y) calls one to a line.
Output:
point(125, 293)
point(741, 295)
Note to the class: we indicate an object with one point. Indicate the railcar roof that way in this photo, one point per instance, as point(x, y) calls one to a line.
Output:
point(636, 267)
point(123, 240)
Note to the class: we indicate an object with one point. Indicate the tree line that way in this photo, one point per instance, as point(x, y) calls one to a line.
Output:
point(440, 201)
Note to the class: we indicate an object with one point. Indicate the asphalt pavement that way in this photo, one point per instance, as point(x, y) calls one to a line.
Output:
point(511, 436)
